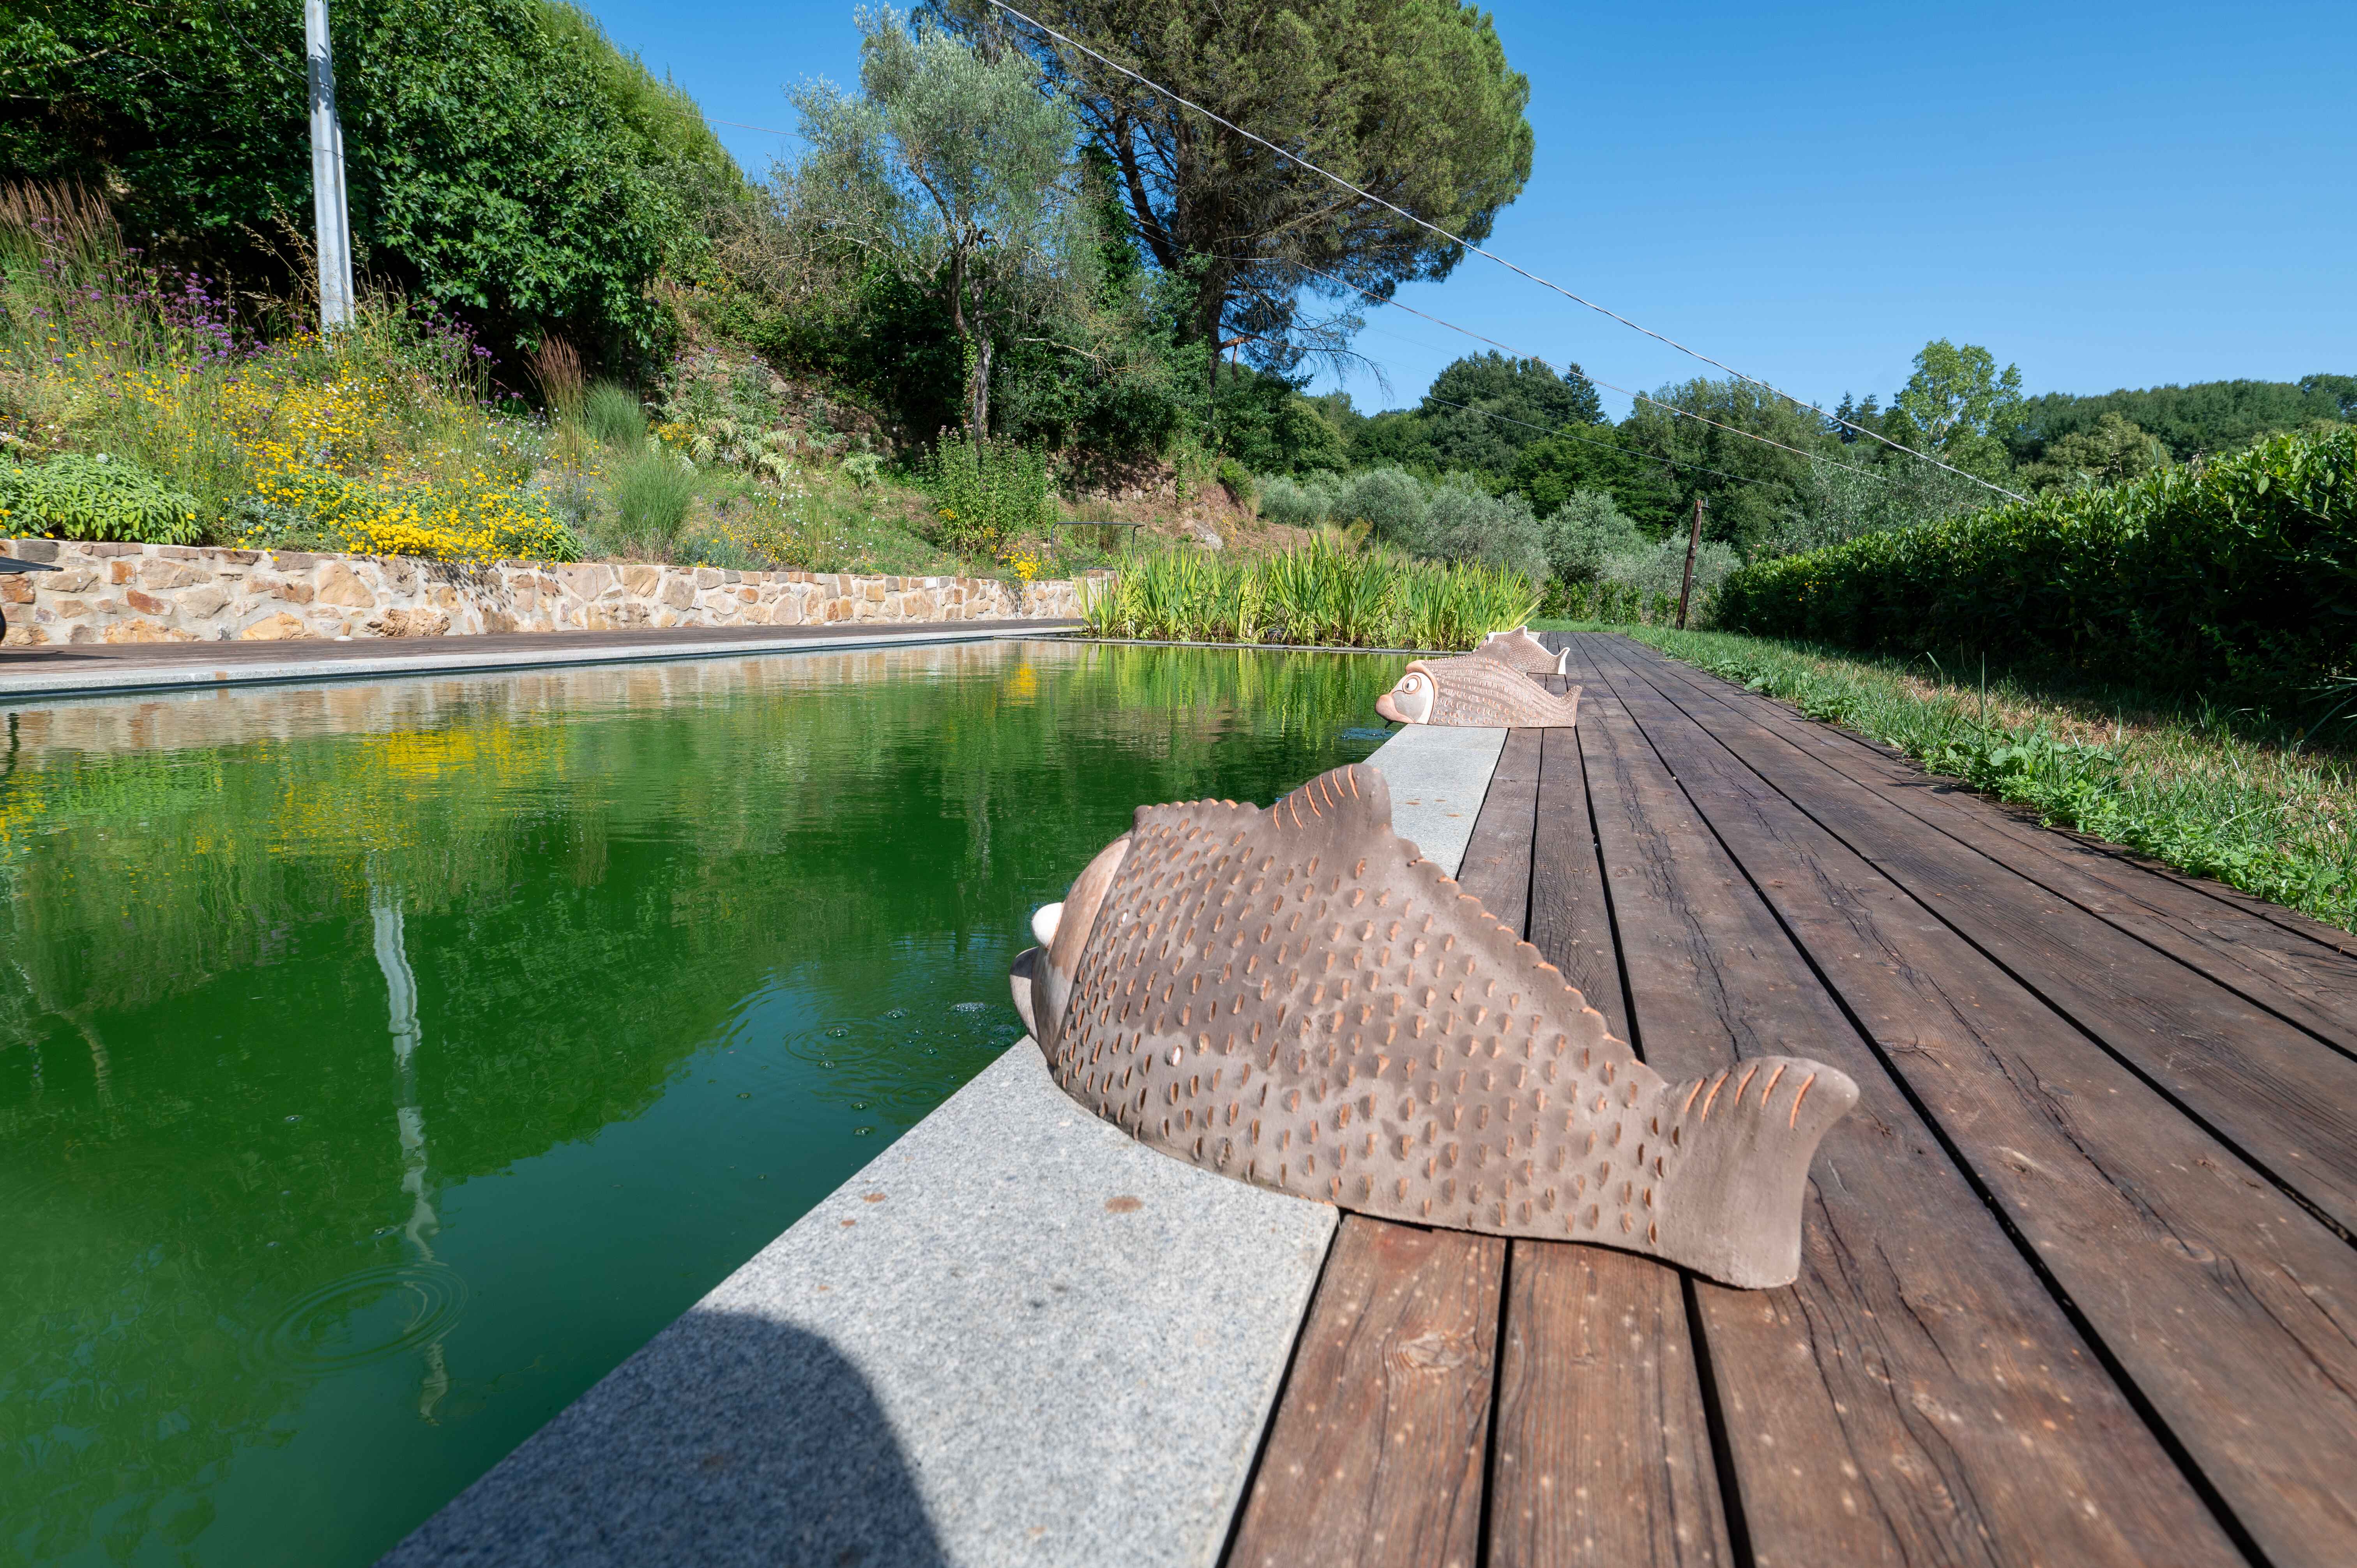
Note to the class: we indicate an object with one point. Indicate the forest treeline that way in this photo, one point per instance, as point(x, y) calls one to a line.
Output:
point(983, 239)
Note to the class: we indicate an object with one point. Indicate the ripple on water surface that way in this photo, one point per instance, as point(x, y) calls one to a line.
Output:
point(365, 1316)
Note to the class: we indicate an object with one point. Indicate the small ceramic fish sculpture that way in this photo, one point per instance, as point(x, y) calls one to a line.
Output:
point(1475, 690)
point(1518, 650)
point(1297, 998)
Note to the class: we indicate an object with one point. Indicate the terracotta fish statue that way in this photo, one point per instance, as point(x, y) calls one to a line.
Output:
point(1475, 690)
point(1295, 997)
point(1518, 650)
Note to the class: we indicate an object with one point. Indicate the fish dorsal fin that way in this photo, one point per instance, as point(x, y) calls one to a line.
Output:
point(1346, 803)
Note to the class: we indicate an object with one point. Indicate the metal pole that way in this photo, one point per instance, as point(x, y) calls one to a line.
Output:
point(1693, 543)
point(330, 215)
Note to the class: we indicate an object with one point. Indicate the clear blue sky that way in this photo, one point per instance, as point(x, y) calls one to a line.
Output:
point(2109, 194)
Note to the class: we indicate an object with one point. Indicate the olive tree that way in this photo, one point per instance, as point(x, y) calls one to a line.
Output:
point(955, 170)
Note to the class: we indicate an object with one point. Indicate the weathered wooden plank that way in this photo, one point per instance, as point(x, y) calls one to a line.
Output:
point(1603, 1447)
point(1603, 1451)
point(1378, 1449)
point(2231, 1311)
point(1570, 920)
point(2284, 1101)
point(1376, 1453)
point(1496, 866)
point(1918, 1395)
point(2296, 971)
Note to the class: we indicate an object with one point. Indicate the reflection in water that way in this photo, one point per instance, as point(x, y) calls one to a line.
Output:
point(665, 953)
point(401, 999)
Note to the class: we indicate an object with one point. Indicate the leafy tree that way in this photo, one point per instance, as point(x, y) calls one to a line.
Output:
point(1747, 485)
point(1958, 400)
point(1550, 469)
point(1485, 409)
point(2112, 451)
point(1851, 492)
point(1411, 100)
point(505, 161)
point(1265, 423)
point(954, 173)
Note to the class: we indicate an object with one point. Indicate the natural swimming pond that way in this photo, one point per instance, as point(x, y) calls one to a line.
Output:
point(380, 1064)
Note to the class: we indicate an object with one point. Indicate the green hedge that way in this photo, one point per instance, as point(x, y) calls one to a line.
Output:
point(2235, 574)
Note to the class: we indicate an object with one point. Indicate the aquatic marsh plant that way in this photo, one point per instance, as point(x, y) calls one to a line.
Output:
point(1321, 593)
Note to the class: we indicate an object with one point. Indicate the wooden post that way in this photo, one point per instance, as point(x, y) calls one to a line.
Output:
point(1693, 543)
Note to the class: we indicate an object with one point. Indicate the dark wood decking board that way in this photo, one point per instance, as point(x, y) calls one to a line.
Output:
point(2224, 1305)
point(1603, 1453)
point(1919, 1347)
point(2284, 1099)
point(2074, 1288)
point(2280, 961)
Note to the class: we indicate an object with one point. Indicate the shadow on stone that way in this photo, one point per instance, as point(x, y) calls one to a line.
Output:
point(729, 1439)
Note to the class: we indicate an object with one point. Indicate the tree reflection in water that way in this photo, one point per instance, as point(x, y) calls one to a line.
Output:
point(664, 954)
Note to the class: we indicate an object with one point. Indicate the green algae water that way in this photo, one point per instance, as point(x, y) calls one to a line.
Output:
point(380, 1064)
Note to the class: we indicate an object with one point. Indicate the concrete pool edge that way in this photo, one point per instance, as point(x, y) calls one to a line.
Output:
point(1017, 1336)
point(19, 684)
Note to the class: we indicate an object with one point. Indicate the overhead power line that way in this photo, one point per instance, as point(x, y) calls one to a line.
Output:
point(1624, 391)
point(1590, 440)
point(1460, 240)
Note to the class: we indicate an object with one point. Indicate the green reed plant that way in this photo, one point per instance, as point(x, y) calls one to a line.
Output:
point(1320, 594)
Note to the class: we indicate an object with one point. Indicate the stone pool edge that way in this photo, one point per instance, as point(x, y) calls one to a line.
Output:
point(27, 684)
point(1014, 1336)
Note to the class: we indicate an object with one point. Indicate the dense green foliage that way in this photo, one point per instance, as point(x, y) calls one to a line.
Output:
point(75, 496)
point(2206, 417)
point(505, 161)
point(2238, 574)
point(2190, 784)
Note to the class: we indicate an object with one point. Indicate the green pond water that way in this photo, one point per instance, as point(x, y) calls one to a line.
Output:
point(380, 1064)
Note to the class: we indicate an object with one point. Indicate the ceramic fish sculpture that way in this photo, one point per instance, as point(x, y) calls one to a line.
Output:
point(1295, 997)
point(1475, 690)
point(1518, 650)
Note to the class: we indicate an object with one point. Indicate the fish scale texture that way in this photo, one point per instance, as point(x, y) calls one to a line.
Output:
point(1479, 691)
point(1293, 997)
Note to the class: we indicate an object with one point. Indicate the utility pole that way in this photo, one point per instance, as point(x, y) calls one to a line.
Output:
point(1693, 543)
point(330, 215)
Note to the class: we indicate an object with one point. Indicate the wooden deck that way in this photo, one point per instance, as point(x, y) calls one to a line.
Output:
point(2078, 1286)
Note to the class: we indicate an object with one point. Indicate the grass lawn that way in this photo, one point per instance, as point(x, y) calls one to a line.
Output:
point(2224, 793)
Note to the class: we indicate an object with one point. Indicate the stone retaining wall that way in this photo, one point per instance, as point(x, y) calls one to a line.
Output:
point(168, 592)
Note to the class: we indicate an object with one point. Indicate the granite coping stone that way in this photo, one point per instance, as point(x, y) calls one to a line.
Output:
point(1017, 1336)
point(44, 676)
point(1439, 777)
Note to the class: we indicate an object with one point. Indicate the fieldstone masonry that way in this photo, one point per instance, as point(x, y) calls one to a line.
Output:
point(169, 593)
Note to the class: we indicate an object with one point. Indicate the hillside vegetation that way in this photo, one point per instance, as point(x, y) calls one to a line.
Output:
point(990, 296)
